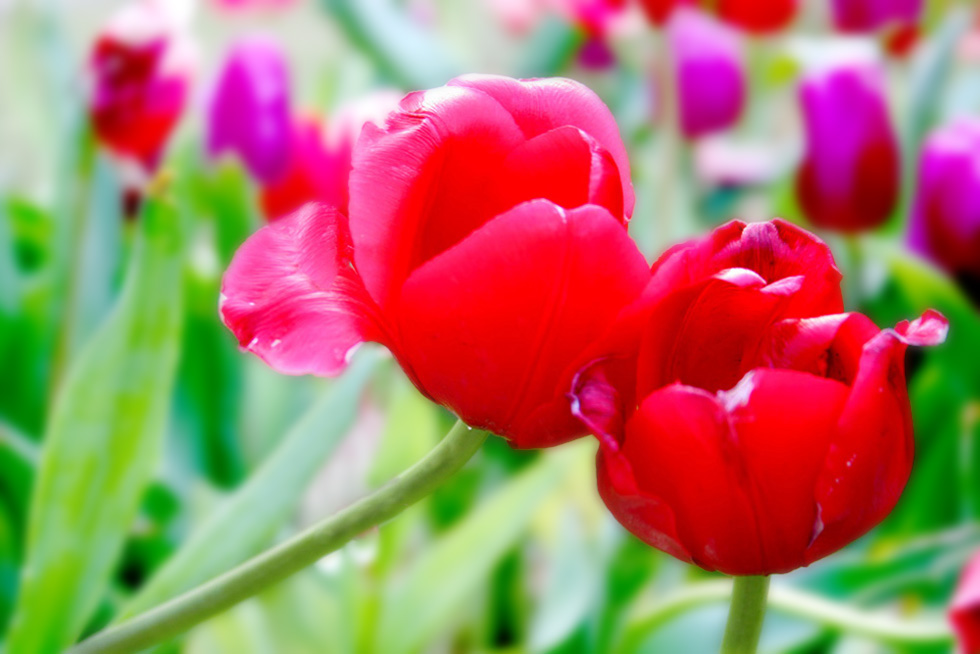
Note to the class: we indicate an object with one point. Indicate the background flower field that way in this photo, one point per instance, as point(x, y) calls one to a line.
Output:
point(187, 456)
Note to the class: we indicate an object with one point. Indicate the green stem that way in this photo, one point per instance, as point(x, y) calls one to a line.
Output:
point(880, 626)
point(304, 549)
point(746, 615)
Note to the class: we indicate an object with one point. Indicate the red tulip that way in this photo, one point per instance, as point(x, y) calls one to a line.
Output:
point(742, 428)
point(141, 67)
point(851, 175)
point(964, 610)
point(485, 246)
point(753, 16)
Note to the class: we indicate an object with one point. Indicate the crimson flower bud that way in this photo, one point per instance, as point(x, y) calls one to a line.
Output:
point(745, 425)
point(964, 610)
point(140, 69)
point(486, 247)
point(946, 218)
point(249, 113)
point(753, 16)
point(850, 176)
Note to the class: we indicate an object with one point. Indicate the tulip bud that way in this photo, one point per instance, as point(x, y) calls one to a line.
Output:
point(140, 69)
point(744, 424)
point(709, 70)
point(964, 609)
point(872, 15)
point(850, 176)
point(249, 113)
point(946, 217)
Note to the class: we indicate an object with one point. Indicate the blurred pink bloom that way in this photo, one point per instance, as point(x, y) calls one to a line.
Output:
point(320, 157)
point(709, 70)
point(249, 113)
point(850, 176)
point(239, 5)
point(140, 70)
point(964, 610)
point(946, 217)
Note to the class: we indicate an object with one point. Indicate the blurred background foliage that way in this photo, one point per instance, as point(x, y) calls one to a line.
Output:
point(173, 457)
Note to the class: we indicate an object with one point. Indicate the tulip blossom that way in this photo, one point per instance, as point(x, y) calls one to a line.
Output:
point(946, 218)
point(709, 70)
point(485, 246)
point(745, 424)
point(964, 610)
point(249, 112)
point(140, 69)
point(850, 177)
point(319, 158)
point(872, 15)
point(753, 16)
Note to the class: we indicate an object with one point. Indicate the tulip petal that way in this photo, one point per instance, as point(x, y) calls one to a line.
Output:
point(541, 105)
point(566, 166)
point(709, 334)
point(738, 468)
point(291, 297)
point(871, 455)
point(418, 186)
point(775, 250)
point(495, 325)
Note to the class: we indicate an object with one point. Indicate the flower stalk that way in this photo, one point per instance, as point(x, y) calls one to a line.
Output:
point(748, 610)
point(179, 614)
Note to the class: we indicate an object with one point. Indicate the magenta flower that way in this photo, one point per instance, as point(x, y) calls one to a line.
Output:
point(850, 175)
point(946, 217)
point(709, 70)
point(249, 113)
point(244, 5)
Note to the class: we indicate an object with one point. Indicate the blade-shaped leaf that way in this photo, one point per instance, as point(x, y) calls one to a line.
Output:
point(415, 609)
point(101, 448)
point(248, 519)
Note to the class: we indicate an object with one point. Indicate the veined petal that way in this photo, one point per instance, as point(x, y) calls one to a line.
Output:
point(291, 296)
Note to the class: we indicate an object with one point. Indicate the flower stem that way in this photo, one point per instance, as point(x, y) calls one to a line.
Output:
point(745, 617)
point(185, 611)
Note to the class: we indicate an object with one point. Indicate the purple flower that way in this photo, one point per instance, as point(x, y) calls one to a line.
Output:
point(249, 112)
point(850, 176)
point(709, 70)
point(946, 218)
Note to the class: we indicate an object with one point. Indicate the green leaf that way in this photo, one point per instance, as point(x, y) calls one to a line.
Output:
point(248, 519)
point(101, 448)
point(415, 609)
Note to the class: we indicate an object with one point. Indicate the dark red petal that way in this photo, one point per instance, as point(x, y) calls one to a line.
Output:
point(291, 297)
point(709, 334)
point(775, 250)
point(964, 609)
point(493, 328)
point(870, 458)
point(541, 105)
point(680, 448)
point(738, 469)
point(418, 186)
